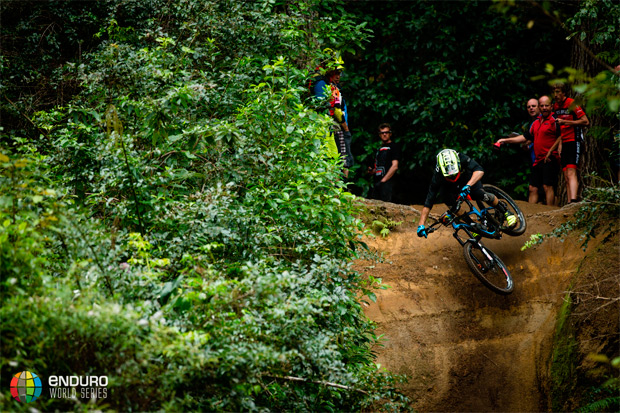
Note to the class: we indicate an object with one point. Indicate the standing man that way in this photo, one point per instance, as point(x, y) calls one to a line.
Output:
point(544, 133)
point(533, 111)
point(572, 120)
point(386, 164)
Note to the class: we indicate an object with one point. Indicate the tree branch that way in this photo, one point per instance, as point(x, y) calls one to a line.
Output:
point(322, 383)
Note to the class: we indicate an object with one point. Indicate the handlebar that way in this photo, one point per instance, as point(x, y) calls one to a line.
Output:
point(459, 202)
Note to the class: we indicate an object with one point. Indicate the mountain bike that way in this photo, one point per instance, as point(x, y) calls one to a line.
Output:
point(479, 222)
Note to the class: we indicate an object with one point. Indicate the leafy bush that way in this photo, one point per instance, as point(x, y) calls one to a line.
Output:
point(597, 216)
point(181, 228)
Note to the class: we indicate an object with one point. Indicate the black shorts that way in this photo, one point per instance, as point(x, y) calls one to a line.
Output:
point(383, 191)
point(545, 173)
point(571, 152)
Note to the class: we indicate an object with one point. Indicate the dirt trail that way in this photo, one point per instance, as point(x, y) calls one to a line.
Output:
point(464, 347)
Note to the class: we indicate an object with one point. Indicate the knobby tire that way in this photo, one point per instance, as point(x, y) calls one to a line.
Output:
point(492, 273)
point(518, 229)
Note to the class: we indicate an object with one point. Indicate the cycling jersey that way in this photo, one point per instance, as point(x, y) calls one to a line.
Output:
point(543, 132)
point(568, 110)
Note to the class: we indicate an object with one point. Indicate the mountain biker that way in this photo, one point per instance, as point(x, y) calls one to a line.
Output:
point(456, 176)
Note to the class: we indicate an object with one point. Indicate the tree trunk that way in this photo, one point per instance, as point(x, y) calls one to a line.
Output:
point(590, 161)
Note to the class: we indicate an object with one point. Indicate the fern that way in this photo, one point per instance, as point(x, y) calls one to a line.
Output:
point(384, 227)
point(609, 404)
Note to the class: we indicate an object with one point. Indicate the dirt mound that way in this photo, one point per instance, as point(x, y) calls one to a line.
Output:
point(464, 347)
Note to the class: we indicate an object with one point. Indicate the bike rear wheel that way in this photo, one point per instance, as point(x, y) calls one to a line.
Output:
point(488, 268)
point(521, 225)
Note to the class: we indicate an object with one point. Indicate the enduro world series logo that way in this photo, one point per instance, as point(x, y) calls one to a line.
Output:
point(26, 387)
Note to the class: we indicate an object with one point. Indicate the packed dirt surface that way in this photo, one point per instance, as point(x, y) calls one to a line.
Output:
point(464, 347)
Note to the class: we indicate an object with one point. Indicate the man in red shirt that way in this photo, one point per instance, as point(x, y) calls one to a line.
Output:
point(545, 132)
point(572, 119)
point(534, 112)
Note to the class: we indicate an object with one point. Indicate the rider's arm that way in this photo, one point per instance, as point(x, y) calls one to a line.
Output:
point(475, 177)
point(390, 171)
point(472, 166)
point(424, 215)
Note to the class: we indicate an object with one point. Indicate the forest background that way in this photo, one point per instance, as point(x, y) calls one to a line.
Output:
point(169, 217)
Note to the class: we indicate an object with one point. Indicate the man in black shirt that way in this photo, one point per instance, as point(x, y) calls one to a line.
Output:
point(386, 164)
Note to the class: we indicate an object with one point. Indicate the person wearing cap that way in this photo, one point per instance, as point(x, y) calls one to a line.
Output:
point(457, 176)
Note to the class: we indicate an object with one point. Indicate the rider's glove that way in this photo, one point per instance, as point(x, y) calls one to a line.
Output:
point(465, 192)
point(422, 231)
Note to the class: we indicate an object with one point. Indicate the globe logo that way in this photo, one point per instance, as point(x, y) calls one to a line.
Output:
point(26, 387)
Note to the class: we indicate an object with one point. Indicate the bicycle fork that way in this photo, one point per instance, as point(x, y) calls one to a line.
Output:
point(491, 261)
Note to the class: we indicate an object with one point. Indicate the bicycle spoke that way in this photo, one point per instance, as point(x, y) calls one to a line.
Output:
point(488, 268)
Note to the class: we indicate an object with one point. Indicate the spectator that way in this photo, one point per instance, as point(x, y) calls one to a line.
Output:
point(533, 111)
point(386, 164)
point(544, 133)
point(572, 119)
point(327, 87)
point(349, 159)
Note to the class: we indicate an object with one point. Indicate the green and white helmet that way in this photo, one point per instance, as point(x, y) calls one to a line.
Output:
point(449, 164)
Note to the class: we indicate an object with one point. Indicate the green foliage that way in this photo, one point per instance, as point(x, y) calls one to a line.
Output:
point(605, 396)
point(596, 24)
point(597, 216)
point(384, 225)
point(445, 75)
point(563, 358)
point(179, 226)
point(601, 97)
point(564, 365)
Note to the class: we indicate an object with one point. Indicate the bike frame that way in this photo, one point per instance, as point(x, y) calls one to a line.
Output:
point(484, 224)
point(481, 214)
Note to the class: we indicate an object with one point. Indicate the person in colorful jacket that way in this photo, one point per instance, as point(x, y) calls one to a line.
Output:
point(327, 87)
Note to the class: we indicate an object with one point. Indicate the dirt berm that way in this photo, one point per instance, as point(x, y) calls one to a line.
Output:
point(463, 347)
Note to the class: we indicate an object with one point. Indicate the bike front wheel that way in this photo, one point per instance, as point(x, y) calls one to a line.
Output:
point(521, 225)
point(488, 268)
